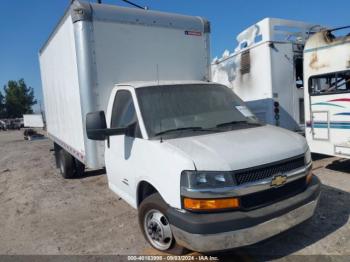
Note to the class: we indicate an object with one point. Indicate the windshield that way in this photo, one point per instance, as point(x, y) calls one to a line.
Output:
point(191, 107)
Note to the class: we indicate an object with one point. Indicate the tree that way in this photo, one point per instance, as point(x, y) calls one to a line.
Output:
point(2, 105)
point(19, 99)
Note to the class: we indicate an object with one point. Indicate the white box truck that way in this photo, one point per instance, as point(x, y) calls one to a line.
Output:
point(129, 89)
point(266, 70)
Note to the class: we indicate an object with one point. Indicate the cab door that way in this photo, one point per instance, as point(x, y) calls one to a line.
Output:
point(120, 149)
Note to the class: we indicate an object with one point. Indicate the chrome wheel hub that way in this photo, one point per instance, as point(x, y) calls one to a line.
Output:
point(157, 229)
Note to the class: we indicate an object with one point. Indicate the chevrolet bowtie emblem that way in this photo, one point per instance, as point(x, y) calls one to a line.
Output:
point(278, 180)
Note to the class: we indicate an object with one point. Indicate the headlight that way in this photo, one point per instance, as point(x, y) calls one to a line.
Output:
point(206, 179)
point(308, 156)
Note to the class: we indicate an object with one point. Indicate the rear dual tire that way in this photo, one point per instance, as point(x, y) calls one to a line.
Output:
point(66, 164)
point(69, 166)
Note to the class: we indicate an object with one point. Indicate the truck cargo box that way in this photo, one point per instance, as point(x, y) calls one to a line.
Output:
point(95, 46)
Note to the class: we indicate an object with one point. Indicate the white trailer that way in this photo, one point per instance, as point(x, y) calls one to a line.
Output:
point(327, 98)
point(266, 70)
point(33, 120)
point(97, 46)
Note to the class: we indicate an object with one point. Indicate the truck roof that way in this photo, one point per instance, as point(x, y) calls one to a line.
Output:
point(139, 84)
point(85, 11)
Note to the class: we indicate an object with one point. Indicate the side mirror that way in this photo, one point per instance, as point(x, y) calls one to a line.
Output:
point(96, 127)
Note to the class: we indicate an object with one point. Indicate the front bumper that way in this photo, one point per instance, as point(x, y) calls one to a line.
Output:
point(221, 231)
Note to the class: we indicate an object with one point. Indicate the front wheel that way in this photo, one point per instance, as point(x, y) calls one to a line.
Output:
point(155, 225)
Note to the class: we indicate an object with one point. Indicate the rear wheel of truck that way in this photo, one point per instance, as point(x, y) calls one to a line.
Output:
point(155, 225)
point(66, 164)
point(57, 150)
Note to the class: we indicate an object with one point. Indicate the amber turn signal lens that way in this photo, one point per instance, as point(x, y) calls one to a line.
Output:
point(309, 178)
point(210, 204)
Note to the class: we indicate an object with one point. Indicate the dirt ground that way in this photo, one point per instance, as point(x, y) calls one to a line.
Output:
point(41, 213)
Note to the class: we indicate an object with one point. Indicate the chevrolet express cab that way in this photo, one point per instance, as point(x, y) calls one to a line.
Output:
point(203, 173)
point(130, 90)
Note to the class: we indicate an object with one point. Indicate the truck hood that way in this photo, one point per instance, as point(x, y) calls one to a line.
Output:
point(238, 149)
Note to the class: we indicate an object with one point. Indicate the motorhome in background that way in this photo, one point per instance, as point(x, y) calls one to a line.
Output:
point(266, 70)
point(327, 98)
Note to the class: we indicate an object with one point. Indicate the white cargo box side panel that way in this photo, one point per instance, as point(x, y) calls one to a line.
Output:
point(61, 90)
point(33, 121)
point(128, 52)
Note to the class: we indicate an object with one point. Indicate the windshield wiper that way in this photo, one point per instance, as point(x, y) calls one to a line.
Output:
point(232, 123)
point(191, 128)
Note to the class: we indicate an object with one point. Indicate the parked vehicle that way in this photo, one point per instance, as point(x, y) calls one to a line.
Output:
point(160, 46)
point(13, 124)
point(134, 95)
point(327, 74)
point(266, 70)
point(3, 125)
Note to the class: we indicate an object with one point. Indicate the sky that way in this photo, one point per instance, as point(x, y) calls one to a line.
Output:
point(26, 24)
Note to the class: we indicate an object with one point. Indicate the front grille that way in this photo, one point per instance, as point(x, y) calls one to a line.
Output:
point(266, 171)
point(272, 195)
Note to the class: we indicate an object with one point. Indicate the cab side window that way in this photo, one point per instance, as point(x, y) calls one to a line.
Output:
point(124, 114)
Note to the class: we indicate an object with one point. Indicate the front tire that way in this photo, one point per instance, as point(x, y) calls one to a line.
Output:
point(155, 226)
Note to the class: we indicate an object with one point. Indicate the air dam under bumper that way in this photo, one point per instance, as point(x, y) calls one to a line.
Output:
point(295, 210)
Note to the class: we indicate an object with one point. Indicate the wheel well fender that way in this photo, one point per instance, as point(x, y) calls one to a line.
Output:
point(144, 189)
